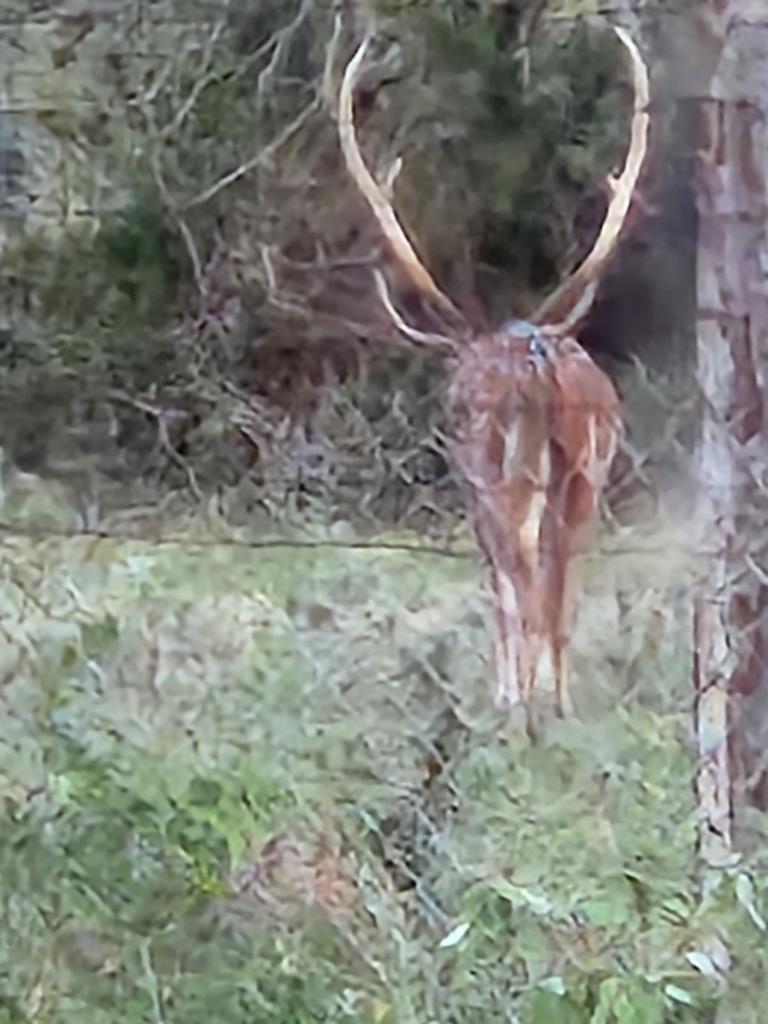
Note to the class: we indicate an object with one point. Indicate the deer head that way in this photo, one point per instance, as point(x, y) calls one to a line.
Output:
point(537, 422)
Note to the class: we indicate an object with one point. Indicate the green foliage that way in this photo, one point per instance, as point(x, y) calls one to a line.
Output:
point(140, 260)
point(100, 309)
point(526, 129)
point(128, 274)
point(507, 140)
point(125, 867)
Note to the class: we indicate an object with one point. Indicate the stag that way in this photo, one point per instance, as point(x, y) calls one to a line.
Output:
point(537, 422)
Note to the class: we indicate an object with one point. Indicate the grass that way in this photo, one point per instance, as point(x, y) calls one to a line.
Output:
point(244, 785)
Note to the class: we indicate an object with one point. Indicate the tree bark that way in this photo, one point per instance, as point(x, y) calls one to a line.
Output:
point(732, 349)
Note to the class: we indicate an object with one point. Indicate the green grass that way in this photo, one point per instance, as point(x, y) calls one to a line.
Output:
point(244, 785)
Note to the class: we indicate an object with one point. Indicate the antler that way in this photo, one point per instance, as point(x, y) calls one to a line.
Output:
point(400, 247)
point(572, 300)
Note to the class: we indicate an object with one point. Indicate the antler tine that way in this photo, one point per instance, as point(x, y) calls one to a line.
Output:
point(572, 300)
point(448, 344)
point(399, 245)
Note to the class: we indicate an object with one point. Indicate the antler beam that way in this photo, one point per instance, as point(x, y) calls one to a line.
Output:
point(574, 297)
point(400, 247)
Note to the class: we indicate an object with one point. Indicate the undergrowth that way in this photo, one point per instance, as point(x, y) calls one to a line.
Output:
point(251, 784)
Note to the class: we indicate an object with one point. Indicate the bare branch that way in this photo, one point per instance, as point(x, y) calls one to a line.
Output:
point(281, 41)
point(567, 302)
point(264, 155)
point(205, 78)
point(170, 203)
point(328, 88)
point(160, 417)
point(184, 229)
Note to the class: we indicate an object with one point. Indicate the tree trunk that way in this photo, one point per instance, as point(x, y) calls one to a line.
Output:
point(732, 329)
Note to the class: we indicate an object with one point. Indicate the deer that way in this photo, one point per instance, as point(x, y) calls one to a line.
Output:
point(536, 422)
